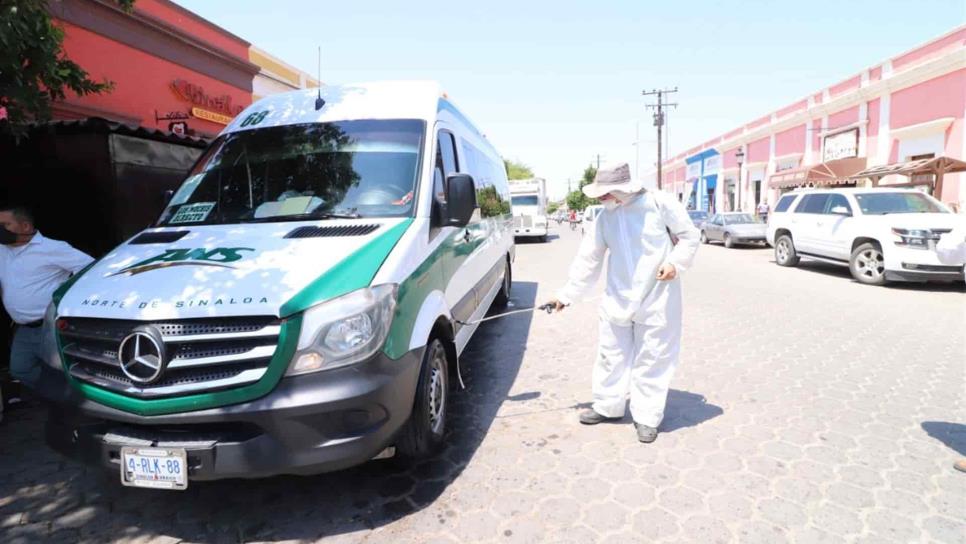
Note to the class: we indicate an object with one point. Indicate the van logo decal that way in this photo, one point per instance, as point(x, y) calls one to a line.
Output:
point(217, 257)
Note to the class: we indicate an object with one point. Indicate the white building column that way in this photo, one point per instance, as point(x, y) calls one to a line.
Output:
point(884, 139)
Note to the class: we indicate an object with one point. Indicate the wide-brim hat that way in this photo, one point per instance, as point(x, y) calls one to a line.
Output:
point(617, 178)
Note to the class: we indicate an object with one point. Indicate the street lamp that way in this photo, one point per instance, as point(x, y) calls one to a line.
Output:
point(740, 157)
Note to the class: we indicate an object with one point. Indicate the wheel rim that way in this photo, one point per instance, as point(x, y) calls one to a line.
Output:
point(782, 250)
point(437, 395)
point(870, 264)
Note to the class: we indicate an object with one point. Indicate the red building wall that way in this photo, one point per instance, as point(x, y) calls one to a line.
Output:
point(144, 54)
point(139, 93)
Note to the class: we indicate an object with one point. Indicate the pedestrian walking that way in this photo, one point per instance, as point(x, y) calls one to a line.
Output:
point(763, 211)
point(32, 267)
point(640, 312)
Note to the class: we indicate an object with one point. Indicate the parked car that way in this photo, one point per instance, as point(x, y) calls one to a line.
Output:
point(299, 305)
point(733, 228)
point(880, 234)
point(698, 217)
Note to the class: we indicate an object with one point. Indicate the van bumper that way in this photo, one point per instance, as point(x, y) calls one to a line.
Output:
point(308, 424)
point(524, 232)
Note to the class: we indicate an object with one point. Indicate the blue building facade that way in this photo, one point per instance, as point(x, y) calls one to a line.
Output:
point(702, 177)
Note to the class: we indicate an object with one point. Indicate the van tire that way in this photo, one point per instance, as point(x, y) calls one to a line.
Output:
point(785, 254)
point(502, 299)
point(423, 434)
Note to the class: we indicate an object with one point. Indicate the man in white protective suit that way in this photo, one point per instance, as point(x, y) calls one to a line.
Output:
point(640, 312)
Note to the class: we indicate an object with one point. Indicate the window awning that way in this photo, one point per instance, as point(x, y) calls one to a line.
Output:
point(837, 172)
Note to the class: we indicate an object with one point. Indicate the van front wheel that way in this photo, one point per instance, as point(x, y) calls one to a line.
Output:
point(423, 433)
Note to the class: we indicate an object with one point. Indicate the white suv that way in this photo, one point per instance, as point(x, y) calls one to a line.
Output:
point(880, 234)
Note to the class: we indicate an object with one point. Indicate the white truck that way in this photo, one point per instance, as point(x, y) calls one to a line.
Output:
point(529, 200)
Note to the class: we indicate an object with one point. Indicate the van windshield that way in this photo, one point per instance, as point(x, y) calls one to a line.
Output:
point(303, 172)
point(905, 202)
point(524, 200)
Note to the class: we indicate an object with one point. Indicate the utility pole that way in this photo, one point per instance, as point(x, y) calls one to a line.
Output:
point(598, 161)
point(659, 122)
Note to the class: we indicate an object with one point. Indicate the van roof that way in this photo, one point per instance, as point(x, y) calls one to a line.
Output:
point(373, 100)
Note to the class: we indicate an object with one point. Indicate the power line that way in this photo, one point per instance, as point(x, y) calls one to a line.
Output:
point(659, 121)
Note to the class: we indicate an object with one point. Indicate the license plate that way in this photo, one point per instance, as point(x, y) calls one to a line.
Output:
point(157, 468)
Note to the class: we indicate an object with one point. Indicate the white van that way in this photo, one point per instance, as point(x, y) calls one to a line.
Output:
point(300, 305)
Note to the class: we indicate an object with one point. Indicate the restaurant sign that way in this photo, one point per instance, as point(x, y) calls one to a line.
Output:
point(211, 116)
point(841, 145)
point(196, 96)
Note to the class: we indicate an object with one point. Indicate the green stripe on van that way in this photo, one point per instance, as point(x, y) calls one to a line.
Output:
point(354, 272)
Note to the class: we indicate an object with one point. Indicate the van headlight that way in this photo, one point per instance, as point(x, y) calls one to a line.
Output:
point(344, 330)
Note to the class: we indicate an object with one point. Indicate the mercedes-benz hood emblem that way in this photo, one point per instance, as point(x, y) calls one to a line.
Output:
point(142, 355)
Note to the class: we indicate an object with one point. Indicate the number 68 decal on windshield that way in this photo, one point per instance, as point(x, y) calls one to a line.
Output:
point(255, 118)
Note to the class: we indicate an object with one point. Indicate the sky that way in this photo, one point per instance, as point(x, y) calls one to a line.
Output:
point(554, 84)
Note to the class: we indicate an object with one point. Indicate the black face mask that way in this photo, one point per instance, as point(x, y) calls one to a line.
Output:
point(7, 238)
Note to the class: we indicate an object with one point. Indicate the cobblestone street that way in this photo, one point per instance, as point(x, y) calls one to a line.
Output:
point(806, 408)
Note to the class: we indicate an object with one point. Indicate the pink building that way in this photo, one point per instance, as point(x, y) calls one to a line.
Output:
point(906, 108)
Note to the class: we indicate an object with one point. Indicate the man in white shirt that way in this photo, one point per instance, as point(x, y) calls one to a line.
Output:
point(763, 210)
point(31, 269)
point(640, 313)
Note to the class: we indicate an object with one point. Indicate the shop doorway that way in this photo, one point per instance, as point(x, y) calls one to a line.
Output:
point(757, 192)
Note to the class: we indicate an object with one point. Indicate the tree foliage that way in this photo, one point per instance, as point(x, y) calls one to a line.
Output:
point(577, 200)
point(34, 70)
point(491, 203)
point(517, 170)
point(552, 207)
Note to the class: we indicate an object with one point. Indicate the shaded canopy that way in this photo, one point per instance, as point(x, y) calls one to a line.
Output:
point(837, 172)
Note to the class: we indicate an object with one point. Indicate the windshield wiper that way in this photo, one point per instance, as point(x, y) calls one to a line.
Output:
point(306, 216)
point(338, 215)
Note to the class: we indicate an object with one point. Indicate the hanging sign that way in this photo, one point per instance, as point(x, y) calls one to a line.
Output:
point(841, 145)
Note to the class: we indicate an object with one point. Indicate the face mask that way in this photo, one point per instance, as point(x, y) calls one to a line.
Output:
point(622, 196)
point(6, 237)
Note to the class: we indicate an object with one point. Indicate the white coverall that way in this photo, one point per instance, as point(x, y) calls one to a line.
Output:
point(640, 317)
point(951, 248)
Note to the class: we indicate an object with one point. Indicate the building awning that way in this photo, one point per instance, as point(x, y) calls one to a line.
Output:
point(920, 172)
point(935, 165)
point(837, 172)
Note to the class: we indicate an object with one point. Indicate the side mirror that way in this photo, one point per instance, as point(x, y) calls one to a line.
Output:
point(841, 210)
point(460, 200)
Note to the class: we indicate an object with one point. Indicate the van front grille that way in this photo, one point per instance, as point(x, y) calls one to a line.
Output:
point(202, 355)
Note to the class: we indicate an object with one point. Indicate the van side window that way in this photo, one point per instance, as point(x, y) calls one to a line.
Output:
point(446, 164)
point(492, 188)
point(784, 203)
